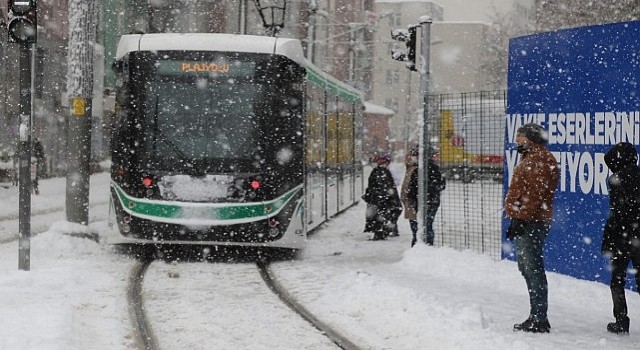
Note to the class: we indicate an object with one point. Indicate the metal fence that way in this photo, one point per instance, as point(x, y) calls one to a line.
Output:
point(467, 131)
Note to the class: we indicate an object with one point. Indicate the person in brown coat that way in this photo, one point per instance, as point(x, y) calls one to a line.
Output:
point(529, 204)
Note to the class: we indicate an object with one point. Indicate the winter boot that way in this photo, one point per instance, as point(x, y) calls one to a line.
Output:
point(532, 326)
point(378, 236)
point(621, 326)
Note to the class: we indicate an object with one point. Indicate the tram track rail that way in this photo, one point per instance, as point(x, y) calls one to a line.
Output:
point(147, 340)
point(37, 229)
point(278, 289)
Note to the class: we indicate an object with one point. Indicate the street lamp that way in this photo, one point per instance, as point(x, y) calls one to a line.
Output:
point(272, 13)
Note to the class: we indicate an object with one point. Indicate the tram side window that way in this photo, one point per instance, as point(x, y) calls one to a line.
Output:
point(357, 133)
point(315, 126)
point(345, 136)
point(332, 131)
point(121, 135)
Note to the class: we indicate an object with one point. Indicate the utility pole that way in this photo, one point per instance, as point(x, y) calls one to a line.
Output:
point(352, 52)
point(423, 171)
point(311, 30)
point(242, 17)
point(408, 118)
point(408, 56)
point(82, 37)
point(22, 28)
point(24, 165)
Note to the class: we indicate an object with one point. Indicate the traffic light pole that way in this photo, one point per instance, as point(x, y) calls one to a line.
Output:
point(24, 180)
point(423, 171)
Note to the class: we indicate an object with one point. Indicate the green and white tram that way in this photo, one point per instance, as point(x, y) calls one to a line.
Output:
point(224, 139)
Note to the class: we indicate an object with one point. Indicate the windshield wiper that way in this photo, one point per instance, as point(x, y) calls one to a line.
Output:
point(157, 133)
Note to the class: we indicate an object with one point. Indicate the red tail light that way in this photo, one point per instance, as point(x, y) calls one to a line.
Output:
point(147, 181)
point(255, 184)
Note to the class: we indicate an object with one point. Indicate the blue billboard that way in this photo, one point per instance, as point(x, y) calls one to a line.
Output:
point(581, 85)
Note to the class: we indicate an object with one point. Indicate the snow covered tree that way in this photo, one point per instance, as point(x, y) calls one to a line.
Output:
point(557, 14)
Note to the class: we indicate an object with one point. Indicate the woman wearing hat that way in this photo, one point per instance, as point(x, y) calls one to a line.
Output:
point(382, 195)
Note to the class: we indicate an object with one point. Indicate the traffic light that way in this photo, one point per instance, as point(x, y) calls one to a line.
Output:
point(409, 55)
point(23, 23)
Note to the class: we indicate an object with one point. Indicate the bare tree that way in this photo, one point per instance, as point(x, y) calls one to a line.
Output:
point(558, 14)
point(503, 27)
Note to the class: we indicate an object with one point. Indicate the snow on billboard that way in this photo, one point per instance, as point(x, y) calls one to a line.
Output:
point(581, 85)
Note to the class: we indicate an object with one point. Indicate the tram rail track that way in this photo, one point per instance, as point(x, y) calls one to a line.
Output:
point(146, 339)
point(43, 227)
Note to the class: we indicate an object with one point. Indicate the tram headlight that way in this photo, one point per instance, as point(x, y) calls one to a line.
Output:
point(274, 228)
point(274, 232)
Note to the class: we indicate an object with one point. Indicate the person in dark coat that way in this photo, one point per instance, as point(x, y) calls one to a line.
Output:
point(383, 195)
point(436, 184)
point(621, 239)
point(370, 214)
point(409, 193)
point(40, 165)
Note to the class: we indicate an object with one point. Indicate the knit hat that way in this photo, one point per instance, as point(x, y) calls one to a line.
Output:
point(383, 159)
point(534, 132)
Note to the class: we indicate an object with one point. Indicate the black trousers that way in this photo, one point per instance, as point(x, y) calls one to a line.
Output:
point(619, 263)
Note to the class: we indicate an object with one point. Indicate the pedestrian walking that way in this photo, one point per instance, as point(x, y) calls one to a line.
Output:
point(37, 165)
point(409, 193)
point(529, 204)
point(621, 238)
point(436, 184)
point(382, 194)
point(397, 180)
point(371, 210)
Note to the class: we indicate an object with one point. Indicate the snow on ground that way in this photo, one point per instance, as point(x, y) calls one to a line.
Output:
point(382, 295)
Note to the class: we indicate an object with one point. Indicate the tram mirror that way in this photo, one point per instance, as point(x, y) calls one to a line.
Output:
point(117, 66)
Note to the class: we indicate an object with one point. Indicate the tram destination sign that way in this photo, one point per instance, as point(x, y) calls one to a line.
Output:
point(200, 67)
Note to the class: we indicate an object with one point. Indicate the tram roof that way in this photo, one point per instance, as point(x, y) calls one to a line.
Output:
point(290, 48)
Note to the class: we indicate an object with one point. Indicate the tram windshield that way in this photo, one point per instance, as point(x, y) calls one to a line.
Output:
point(213, 121)
point(204, 111)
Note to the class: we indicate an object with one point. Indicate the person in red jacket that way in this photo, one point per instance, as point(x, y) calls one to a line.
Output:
point(529, 205)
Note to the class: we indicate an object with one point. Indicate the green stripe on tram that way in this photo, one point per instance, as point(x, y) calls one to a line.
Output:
point(330, 86)
point(173, 210)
